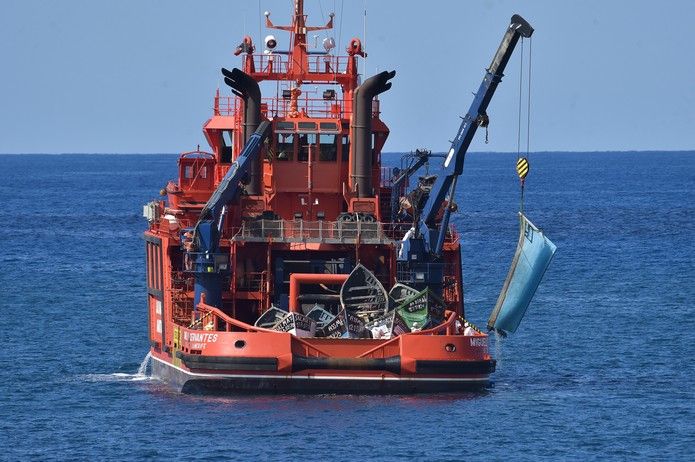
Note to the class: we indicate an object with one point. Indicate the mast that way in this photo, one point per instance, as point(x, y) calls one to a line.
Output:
point(298, 66)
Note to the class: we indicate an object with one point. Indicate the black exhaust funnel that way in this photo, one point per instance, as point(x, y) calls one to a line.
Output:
point(362, 130)
point(247, 88)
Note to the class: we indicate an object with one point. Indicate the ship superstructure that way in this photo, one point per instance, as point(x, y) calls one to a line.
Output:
point(288, 259)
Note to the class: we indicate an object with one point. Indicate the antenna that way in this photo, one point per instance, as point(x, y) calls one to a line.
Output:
point(260, 27)
point(364, 36)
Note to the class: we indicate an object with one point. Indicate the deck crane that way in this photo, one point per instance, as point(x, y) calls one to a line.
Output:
point(422, 246)
point(417, 159)
point(208, 264)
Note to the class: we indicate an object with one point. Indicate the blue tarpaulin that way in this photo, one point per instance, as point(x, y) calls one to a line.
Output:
point(532, 257)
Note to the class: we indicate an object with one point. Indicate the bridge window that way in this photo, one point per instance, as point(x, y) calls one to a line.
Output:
point(306, 125)
point(346, 148)
point(329, 126)
point(328, 149)
point(226, 146)
point(284, 126)
point(285, 146)
point(307, 144)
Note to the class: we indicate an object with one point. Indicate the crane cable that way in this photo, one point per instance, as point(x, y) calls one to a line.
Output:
point(522, 164)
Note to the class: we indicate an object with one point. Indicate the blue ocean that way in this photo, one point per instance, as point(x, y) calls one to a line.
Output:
point(602, 366)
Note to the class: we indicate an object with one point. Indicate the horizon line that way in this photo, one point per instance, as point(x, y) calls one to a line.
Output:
point(383, 153)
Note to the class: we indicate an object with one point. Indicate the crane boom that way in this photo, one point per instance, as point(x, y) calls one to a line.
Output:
point(208, 263)
point(475, 117)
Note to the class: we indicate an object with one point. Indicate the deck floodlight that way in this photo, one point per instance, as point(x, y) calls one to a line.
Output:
point(329, 94)
point(286, 94)
point(270, 42)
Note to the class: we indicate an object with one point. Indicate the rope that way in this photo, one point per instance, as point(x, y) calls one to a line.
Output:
point(260, 27)
point(528, 106)
point(522, 163)
point(521, 199)
point(340, 30)
point(364, 38)
point(340, 37)
point(323, 17)
point(521, 81)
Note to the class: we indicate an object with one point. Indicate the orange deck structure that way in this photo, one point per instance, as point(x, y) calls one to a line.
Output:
point(312, 204)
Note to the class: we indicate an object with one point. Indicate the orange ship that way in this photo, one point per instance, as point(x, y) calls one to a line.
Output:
point(287, 259)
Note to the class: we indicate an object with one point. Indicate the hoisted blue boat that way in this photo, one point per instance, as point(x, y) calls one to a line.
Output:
point(534, 252)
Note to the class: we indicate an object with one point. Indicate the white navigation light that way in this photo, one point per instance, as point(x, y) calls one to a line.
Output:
point(270, 42)
point(449, 157)
point(328, 44)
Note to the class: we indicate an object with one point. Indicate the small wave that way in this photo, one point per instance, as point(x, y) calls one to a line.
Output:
point(498, 349)
point(141, 374)
point(115, 377)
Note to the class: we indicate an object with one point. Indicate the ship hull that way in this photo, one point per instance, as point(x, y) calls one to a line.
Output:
point(259, 360)
point(340, 382)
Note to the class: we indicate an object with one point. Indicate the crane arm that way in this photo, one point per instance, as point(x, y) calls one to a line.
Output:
point(205, 260)
point(476, 116)
point(207, 230)
point(422, 157)
point(407, 172)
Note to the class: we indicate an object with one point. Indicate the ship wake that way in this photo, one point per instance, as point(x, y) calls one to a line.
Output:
point(143, 373)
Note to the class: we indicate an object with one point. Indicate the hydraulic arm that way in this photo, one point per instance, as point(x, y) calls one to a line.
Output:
point(427, 229)
point(209, 264)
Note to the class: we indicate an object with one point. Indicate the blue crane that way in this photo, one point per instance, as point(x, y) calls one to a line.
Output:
point(424, 244)
point(208, 264)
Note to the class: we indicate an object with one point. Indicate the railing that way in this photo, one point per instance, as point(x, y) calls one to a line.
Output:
point(209, 315)
point(306, 107)
point(448, 327)
point(315, 231)
point(182, 304)
point(387, 177)
point(405, 273)
point(328, 64)
point(313, 107)
point(337, 232)
point(280, 107)
point(226, 105)
point(450, 289)
point(317, 64)
point(252, 281)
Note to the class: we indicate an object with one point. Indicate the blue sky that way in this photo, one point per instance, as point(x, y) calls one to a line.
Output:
point(139, 76)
